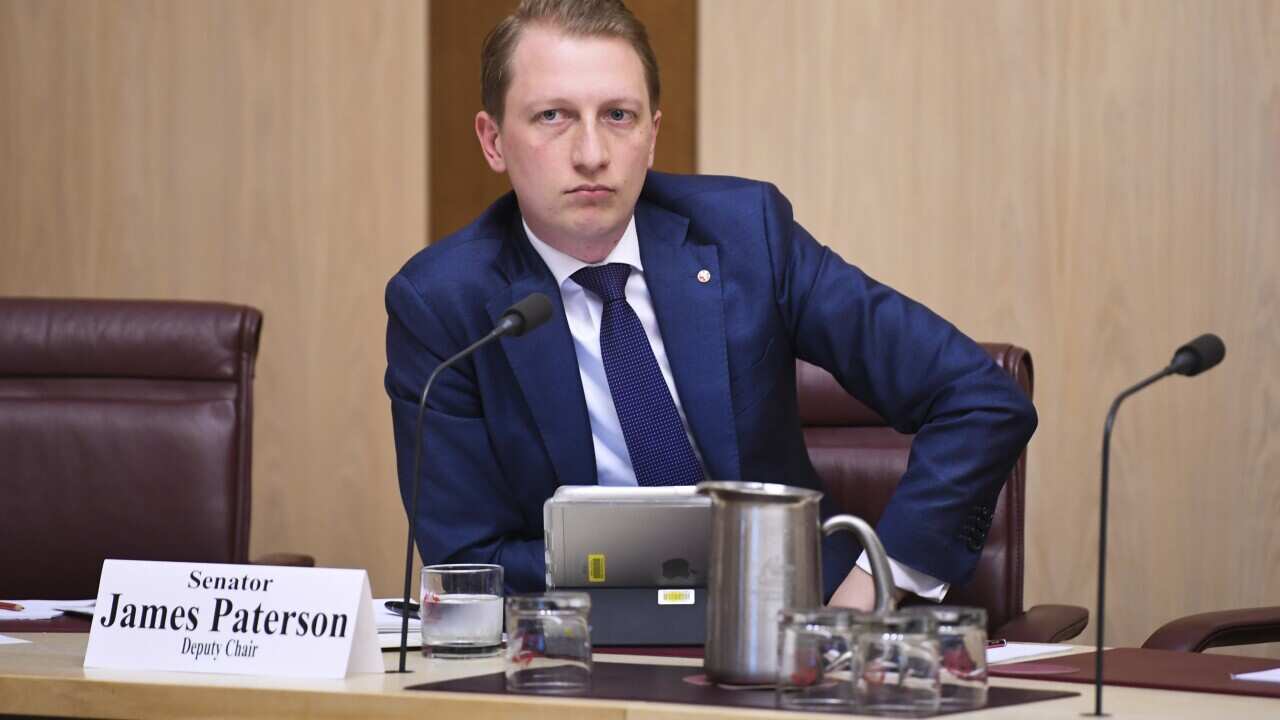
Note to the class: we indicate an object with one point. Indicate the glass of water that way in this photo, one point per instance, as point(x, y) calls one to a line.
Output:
point(548, 643)
point(898, 659)
point(461, 610)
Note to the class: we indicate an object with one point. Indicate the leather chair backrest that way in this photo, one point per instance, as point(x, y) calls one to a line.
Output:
point(125, 432)
point(860, 459)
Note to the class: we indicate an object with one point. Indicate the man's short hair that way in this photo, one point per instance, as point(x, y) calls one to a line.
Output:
point(583, 18)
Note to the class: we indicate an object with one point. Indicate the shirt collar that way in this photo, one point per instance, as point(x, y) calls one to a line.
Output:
point(562, 266)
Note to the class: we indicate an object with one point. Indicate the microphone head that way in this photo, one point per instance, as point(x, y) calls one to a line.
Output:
point(527, 314)
point(1198, 355)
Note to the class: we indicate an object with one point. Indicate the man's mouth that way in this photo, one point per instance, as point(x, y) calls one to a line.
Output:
point(591, 191)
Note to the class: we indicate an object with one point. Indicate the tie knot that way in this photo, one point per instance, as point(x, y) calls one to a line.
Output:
point(607, 282)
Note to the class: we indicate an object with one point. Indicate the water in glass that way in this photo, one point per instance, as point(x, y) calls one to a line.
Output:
point(462, 624)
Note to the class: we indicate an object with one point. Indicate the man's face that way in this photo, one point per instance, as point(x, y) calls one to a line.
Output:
point(576, 139)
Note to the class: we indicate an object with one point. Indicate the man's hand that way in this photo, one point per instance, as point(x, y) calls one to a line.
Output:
point(858, 591)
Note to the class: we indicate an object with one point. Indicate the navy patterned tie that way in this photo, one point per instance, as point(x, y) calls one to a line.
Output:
point(656, 441)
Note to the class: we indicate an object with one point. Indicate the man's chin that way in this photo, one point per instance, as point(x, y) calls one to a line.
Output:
point(575, 238)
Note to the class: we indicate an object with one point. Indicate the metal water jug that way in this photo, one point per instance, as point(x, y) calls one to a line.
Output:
point(766, 545)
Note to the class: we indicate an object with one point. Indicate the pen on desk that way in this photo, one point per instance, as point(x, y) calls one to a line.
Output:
point(996, 643)
point(6, 605)
point(397, 607)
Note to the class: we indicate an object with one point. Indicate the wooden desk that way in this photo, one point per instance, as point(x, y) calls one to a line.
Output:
point(46, 678)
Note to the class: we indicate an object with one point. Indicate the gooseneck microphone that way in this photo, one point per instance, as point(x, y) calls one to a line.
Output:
point(1198, 355)
point(1191, 359)
point(515, 321)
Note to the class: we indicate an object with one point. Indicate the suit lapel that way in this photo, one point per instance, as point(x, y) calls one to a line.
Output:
point(690, 314)
point(545, 364)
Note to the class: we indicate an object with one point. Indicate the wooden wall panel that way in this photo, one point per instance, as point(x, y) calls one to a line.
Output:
point(1096, 180)
point(268, 153)
point(462, 185)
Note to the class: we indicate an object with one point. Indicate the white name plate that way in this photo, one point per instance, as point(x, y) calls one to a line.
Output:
point(244, 619)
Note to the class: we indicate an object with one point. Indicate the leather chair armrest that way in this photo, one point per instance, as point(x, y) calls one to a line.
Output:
point(1195, 633)
point(285, 558)
point(1045, 624)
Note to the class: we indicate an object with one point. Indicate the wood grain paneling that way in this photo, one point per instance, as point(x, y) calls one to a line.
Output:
point(263, 152)
point(1096, 180)
point(462, 185)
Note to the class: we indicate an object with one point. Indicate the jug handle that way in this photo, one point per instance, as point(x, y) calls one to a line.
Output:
point(881, 576)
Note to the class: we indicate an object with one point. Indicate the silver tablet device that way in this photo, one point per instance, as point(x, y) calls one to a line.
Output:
point(627, 537)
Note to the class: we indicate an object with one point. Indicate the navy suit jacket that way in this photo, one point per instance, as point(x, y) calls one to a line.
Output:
point(506, 427)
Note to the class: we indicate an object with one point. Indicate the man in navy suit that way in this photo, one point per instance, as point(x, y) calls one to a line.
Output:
point(680, 305)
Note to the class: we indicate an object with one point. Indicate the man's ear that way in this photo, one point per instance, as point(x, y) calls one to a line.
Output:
point(489, 134)
point(653, 141)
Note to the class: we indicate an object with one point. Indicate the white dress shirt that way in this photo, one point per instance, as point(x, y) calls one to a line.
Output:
point(583, 310)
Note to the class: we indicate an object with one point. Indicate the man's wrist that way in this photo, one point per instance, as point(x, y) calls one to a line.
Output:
point(909, 580)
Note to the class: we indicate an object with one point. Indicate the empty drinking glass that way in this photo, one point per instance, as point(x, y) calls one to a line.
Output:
point(548, 642)
point(814, 656)
point(962, 640)
point(461, 610)
point(897, 656)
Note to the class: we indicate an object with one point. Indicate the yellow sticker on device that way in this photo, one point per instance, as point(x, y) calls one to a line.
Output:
point(595, 567)
point(668, 596)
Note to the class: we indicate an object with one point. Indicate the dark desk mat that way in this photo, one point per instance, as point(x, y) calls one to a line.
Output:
point(1158, 669)
point(665, 683)
point(682, 651)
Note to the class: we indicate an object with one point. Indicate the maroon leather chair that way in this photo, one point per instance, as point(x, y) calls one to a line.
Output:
point(1226, 628)
point(126, 431)
point(861, 458)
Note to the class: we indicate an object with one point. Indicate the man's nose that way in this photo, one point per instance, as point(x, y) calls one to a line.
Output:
point(590, 149)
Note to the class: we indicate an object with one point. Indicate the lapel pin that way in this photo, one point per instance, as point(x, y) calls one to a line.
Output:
point(704, 276)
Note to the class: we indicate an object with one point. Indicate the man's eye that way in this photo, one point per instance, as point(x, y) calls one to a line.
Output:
point(549, 115)
point(617, 115)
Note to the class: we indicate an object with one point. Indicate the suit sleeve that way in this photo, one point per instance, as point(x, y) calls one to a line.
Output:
point(922, 375)
point(466, 512)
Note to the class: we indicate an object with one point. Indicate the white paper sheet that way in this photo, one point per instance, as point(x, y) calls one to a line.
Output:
point(1272, 676)
point(6, 640)
point(391, 640)
point(1021, 651)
